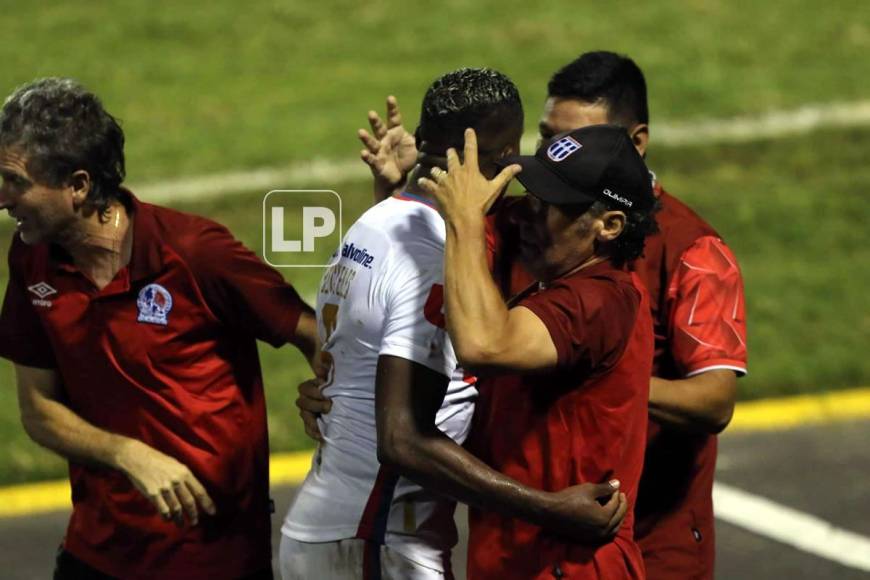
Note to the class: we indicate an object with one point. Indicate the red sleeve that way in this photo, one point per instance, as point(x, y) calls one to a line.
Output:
point(708, 318)
point(590, 322)
point(23, 339)
point(241, 290)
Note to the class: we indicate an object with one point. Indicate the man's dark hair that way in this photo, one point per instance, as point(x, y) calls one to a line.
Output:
point(608, 77)
point(468, 97)
point(62, 128)
point(638, 225)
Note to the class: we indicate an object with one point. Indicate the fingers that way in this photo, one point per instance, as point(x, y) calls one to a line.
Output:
point(378, 127)
point(501, 182)
point(471, 148)
point(618, 516)
point(175, 510)
point(394, 116)
point(428, 186)
point(188, 503)
point(311, 399)
point(606, 491)
point(312, 429)
point(200, 495)
point(161, 505)
point(372, 143)
point(453, 161)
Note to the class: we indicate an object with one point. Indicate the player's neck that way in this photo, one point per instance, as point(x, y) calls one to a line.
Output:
point(417, 191)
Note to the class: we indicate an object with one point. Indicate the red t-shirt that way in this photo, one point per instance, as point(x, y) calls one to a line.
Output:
point(583, 422)
point(166, 354)
point(696, 292)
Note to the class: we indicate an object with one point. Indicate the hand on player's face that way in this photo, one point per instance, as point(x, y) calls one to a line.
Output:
point(390, 151)
point(462, 190)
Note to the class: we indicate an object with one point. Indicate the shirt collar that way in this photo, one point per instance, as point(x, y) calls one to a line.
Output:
point(147, 253)
point(146, 256)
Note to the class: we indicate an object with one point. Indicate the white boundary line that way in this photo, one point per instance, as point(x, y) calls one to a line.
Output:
point(319, 172)
point(792, 527)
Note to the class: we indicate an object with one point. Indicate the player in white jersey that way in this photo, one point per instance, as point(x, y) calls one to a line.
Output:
point(396, 418)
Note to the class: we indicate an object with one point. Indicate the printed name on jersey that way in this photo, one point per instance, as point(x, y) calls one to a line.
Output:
point(359, 255)
point(337, 280)
point(154, 303)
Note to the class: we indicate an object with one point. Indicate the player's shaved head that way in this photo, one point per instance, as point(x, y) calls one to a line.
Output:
point(481, 98)
point(469, 97)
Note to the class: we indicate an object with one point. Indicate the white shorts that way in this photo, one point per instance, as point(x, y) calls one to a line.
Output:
point(352, 559)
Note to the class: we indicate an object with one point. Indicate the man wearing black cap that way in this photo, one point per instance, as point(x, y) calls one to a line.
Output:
point(570, 356)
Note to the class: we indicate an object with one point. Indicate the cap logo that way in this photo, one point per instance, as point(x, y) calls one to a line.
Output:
point(563, 148)
point(617, 197)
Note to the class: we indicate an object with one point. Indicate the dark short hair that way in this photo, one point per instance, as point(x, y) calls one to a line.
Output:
point(639, 224)
point(604, 76)
point(62, 128)
point(464, 98)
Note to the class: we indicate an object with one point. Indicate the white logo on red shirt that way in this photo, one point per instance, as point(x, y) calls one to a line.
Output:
point(42, 290)
point(154, 304)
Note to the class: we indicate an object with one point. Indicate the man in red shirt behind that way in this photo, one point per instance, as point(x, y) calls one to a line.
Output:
point(566, 366)
point(696, 294)
point(133, 332)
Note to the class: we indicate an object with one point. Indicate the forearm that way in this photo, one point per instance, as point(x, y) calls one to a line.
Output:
point(305, 336)
point(703, 403)
point(475, 311)
point(56, 427)
point(435, 461)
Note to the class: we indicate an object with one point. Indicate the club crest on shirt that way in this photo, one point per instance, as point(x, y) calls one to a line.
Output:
point(561, 149)
point(154, 304)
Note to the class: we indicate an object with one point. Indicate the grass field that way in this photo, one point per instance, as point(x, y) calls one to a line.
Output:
point(210, 87)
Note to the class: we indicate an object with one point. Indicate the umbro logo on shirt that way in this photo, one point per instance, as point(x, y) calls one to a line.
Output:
point(42, 291)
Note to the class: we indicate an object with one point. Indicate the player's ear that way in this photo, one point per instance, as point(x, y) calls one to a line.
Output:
point(79, 185)
point(640, 137)
point(610, 225)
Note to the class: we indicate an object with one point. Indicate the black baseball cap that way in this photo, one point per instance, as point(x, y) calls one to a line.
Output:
point(595, 163)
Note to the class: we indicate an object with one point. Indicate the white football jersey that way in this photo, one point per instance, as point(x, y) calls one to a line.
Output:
point(382, 297)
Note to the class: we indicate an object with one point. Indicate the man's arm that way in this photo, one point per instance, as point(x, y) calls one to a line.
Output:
point(707, 340)
point(407, 398)
point(701, 403)
point(168, 484)
point(485, 333)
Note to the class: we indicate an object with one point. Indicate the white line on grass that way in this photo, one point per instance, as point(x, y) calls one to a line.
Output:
point(319, 173)
point(789, 526)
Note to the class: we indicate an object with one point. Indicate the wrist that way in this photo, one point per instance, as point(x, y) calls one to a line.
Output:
point(123, 448)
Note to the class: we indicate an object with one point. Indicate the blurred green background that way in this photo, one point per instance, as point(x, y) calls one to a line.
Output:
point(207, 88)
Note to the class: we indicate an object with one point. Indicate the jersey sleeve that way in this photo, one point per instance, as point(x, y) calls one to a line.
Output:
point(590, 324)
point(23, 338)
point(708, 319)
point(413, 315)
point(241, 290)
